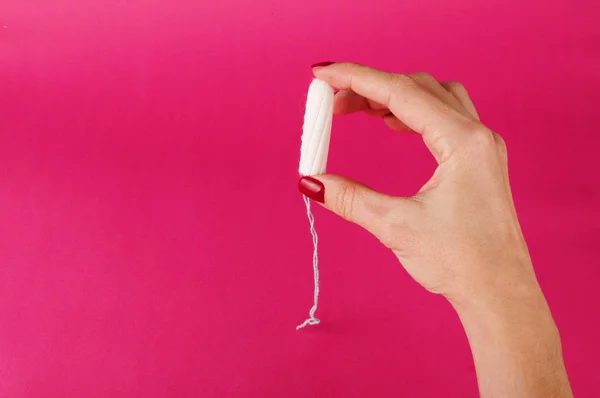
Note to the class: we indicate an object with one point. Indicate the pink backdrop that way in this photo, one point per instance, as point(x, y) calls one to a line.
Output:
point(153, 243)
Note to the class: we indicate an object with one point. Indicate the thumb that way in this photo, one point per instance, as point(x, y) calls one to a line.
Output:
point(352, 201)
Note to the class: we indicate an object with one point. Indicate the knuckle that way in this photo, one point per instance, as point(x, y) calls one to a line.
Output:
point(483, 137)
point(353, 66)
point(397, 83)
point(480, 130)
point(400, 79)
point(397, 228)
point(392, 227)
point(456, 87)
point(499, 140)
point(500, 144)
point(345, 200)
point(423, 77)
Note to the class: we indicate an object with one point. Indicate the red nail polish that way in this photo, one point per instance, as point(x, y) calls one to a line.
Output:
point(321, 64)
point(312, 188)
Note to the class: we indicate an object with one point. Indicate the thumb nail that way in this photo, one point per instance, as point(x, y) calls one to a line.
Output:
point(312, 188)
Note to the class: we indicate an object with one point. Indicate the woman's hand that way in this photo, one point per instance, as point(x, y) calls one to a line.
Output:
point(459, 235)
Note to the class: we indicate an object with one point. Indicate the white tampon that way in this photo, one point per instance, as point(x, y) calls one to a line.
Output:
point(316, 132)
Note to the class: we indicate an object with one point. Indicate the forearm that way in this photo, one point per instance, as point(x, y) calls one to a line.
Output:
point(515, 344)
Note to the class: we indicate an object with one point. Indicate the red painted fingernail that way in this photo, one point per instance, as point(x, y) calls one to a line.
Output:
point(312, 188)
point(321, 64)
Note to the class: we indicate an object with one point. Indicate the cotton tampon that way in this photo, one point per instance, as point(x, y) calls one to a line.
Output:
point(316, 133)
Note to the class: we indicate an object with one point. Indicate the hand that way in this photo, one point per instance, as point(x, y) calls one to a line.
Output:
point(459, 235)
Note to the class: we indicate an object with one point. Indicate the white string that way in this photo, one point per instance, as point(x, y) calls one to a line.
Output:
point(312, 320)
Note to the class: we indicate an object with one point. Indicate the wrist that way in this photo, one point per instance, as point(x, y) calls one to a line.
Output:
point(498, 298)
point(510, 305)
point(512, 335)
point(499, 311)
point(496, 285)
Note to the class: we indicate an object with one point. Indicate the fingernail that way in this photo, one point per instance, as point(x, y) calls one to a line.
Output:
point(312, 188)
point(321, 64)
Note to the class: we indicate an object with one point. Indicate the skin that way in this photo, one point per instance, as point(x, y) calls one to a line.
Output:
point(459, 236)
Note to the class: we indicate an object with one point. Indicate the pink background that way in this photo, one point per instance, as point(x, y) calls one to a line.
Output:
point(153, 243)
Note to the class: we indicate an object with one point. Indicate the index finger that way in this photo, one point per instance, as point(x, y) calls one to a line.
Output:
point(415, 106)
